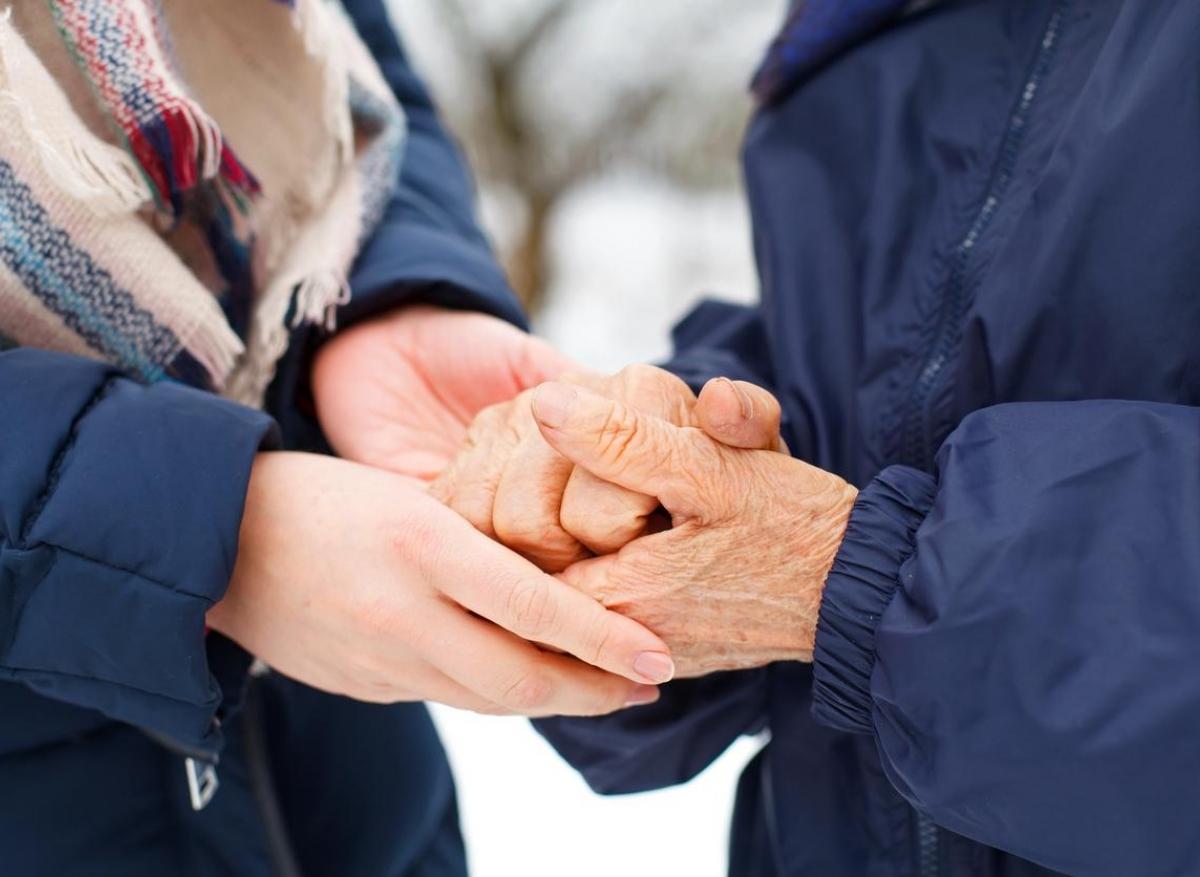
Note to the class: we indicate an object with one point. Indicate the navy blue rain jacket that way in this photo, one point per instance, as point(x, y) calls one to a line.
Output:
point(119, 512)
point(978, 237)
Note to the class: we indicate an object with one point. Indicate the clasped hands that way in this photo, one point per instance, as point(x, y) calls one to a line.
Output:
point(509, 534)
point(682, 512)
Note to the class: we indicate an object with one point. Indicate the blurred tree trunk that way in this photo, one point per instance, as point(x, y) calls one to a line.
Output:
point(514, 142)
point(528, 264)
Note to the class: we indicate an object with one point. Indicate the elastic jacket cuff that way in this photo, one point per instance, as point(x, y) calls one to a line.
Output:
point(864, 578)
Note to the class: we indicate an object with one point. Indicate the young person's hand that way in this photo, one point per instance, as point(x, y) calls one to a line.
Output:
point(399, 391)
point(355, 581)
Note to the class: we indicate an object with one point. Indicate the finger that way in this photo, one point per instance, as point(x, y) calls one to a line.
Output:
point(624, 446)
point(528, 499)
point(604, 516)
point(592, 577)
point(469, 484)
point(437, 687)
point(432, 685)
point(523, 679)
point(509, 591)
point(739, 414)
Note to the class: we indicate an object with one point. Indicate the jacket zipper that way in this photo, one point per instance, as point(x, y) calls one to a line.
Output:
point(918, 440)
point(927, 847)
point(917, 430)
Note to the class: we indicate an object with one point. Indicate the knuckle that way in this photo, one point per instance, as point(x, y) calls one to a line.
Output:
point(536, 539)
point(418, 541)
point(500, 424)
point(638, 374)
point(526, 516)
point(483, 428)
point(657, 391)
point(609, 526)
point(619, 430)
point(706, 464)
point(531, 691)
point(580, 521)
point(579, 378)
point(607, 698)
point(378, 675)
point(531, 608)
point(602, 642)
point(493, 415)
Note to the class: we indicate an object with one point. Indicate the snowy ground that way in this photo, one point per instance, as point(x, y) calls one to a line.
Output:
point(525, 813)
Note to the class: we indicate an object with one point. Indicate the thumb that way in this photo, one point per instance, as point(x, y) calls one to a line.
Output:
point(617, 443)
point(739, 414)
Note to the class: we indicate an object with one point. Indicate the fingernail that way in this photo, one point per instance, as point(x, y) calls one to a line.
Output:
point(745, 403)
point(655, 667)
point(642, 695)
point(552, 403)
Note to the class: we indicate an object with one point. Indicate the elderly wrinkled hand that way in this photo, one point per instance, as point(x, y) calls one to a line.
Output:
point(736, 581)
point(516, 488)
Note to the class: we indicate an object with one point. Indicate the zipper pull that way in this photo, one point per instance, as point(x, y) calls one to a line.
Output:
point(202, 782)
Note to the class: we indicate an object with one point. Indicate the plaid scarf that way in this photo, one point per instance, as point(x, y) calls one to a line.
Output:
point(815, 31)
point(183, 182)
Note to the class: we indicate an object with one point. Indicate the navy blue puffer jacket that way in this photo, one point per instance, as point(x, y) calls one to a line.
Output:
point(119, 512)
point(978, 236)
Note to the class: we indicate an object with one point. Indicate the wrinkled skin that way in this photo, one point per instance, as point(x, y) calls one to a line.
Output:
point(513, 486)
point(737, 580)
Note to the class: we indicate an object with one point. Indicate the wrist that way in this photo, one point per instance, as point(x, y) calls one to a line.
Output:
point(263, 476)
point(827, 512)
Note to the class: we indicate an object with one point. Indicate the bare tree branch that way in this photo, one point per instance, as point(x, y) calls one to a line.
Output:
point(542, 26)
point(467, 39)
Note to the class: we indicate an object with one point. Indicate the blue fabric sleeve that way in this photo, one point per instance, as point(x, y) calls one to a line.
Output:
point(120, 506)
point(719, 339)
point(428, 245)
point(1022, 633)
point(667, 742)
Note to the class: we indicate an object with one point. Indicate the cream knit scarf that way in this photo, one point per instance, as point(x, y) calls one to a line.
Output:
point(184, 181)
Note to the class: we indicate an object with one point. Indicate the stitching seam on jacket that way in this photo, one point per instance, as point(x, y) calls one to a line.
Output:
point(60, 457)
point(20, 674)
point(208, 601)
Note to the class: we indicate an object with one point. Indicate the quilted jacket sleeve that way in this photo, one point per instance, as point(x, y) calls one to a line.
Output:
point(1020, 633)
point(120, 506)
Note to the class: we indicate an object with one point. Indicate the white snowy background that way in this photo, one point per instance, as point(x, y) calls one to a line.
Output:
point(628, 125)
